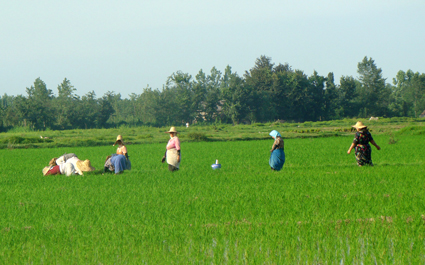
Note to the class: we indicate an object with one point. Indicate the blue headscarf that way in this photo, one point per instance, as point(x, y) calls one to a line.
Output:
point(274, 134)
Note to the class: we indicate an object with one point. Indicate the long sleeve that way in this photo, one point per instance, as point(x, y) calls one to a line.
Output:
point(278, 144)
point(173, 143)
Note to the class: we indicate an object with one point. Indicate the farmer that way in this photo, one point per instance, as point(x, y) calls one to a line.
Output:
point(62, 159)
point(68, 164)
point(65, 164)
point(277, 157)
point(361, 144)
point(122, 150)
point(172, 153)
point(115, 163)
point(64, 168)
point(72, 166)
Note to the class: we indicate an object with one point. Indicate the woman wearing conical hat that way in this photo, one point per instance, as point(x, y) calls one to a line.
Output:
point(115, 163)
point(172, 154)
point(361, 144)
point(122, 150)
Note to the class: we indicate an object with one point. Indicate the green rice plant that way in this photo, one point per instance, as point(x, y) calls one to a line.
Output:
point(146, 136)
point(414, 129)
point(197, 137)
point(392, 139)
point(320, 208)
point(216, 132)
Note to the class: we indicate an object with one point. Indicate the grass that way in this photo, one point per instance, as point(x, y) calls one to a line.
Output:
point(24, 138)
point(321, 208)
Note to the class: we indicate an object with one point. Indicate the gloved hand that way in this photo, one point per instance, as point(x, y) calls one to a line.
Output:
point(163, 159)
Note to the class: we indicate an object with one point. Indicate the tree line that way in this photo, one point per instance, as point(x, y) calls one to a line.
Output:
point(266, 92)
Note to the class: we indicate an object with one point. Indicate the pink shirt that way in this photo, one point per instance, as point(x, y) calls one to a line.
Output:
point(173, 143)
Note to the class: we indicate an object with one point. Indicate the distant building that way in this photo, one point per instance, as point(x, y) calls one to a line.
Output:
point(422, 115)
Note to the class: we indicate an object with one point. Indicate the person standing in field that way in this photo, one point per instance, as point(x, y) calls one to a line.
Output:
point(277, 157)
point(122, 150)
point(172, 153)
point(363, 150)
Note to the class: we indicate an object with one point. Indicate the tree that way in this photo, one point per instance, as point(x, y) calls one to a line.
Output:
point(119, 112)
point(66, 105)
point(330, 98)
point(409, 93)
point(9, 117)
point(259, 80)
point(416, 94)
point(134, 108)
point(347, 97)
point(150, 107)
point(39, 105)
point(279, 92)
point(236, 97)
point(105, 109)
point(88, 111)
point(182, 85)
point(199, 95)
point(372, 93)
point(314, 100)
point(212, 97)
point(298, 95)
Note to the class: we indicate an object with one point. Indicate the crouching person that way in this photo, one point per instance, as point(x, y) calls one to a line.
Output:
point(67, 169)
point(115, 163)
point(72, 166)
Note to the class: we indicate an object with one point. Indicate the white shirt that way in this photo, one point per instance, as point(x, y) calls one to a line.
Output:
point(70, 167)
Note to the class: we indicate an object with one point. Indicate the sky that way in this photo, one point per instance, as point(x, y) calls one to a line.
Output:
point(125, 46)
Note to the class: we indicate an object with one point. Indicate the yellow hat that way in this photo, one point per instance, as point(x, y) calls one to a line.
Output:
point(84, 165)
point(172, 130)
point(119, 138)
point(359, 125)
point(45, 170)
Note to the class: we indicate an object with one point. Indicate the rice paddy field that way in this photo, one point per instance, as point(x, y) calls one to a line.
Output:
point(321, 208)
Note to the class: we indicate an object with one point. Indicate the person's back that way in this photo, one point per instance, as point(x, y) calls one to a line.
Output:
point(64, 158)
point(73, 161)
point(67, 169)
point(363, 137)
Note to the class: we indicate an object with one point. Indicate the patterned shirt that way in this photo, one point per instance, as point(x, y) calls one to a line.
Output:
point(108, 165)
point(362, 138)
